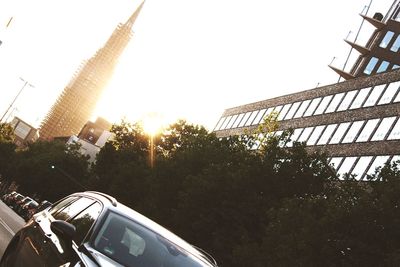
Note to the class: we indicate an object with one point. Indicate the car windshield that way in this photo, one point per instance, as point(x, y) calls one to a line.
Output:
point(132, 245)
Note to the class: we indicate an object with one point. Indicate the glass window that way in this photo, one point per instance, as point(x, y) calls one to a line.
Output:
point(379, 162)
point(278, 133)
point(396, 44)
point(362, 94)
point(239, 118)
point(315, 135)
point(371, 65)
point(251, 118)
point(395, 158)
point(322, 106)
point(335, 162)
point(312, 107)
point(353, 132)
point(226, 122)
point(283, 112)
point(367, 130)
point(259, 117)
point(72, 209)
point(233, 119)
point(346, 166)
point(361, 166)
point(347, 100)
point(389, 93)
point(294, 136)
point(395, 133)
point(327, 134)
point(397, 99)
point(341, 130)
point(305, 134)
point(302, 108)
point(131, 244)
point(292, 111)
point(278, 109)
point(84, 220)
point(383, 129)
point(269, 111)
point(383, 67)
point(62, 204)
point(395, 67)
point(374, 96)
point(245, 118)
point(386, 39)
point(335, 102)
point(219, 123)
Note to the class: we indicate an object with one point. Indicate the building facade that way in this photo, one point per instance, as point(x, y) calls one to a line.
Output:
point(75, 105)
point(92, 137)
point(23, 132)
point(355, 122)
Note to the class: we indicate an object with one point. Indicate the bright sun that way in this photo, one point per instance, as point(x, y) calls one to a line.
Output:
point(152, 123)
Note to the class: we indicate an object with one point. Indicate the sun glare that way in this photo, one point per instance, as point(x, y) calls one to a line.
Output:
point(152, 123)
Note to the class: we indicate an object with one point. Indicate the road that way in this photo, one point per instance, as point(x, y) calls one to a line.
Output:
point(10, 223)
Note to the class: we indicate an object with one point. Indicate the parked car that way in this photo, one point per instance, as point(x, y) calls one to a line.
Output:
point(14, 199)
point(93, 229)
point(16, 206)
point(27, 210)
point(6, 197)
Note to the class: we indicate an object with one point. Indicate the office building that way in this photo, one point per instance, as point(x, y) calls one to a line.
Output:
point(75, 105)
point(356, 122)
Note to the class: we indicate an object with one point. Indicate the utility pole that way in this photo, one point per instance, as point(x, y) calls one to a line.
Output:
point(20, 91)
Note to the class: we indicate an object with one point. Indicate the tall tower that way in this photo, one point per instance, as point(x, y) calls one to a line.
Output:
point(75, 105)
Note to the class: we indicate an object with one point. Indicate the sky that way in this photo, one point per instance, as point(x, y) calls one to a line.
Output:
point(188, 59)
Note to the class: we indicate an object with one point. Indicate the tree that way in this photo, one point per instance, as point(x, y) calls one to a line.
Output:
point(6, 133)
point(51, 170)
point(7, 152)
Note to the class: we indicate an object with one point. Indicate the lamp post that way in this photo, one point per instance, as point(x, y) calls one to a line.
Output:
point(15, 98)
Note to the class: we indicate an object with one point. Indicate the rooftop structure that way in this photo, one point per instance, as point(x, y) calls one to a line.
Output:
point(380, 53)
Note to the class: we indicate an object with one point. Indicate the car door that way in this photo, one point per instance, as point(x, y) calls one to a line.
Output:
point(45, 248)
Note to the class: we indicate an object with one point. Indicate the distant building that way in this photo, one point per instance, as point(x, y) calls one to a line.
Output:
point(23, 132)
point(78, 100)
point(92, 137)
point(355, 122)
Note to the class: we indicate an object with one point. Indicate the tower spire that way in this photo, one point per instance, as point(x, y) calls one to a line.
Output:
point(135, 14)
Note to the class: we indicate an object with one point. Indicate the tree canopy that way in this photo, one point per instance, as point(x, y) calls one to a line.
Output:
point(271, 206)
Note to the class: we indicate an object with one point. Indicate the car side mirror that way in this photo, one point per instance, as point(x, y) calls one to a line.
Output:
point(63, 229)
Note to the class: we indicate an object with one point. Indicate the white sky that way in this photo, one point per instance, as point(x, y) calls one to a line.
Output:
point(188, 59)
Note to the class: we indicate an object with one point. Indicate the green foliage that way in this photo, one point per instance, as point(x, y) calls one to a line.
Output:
point(7, 151)
point(6, 133)
point(35, 175)
point(275, 206)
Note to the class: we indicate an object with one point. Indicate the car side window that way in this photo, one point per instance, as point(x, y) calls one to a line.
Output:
point(60, 205)
point(84, 221)
point(73, 209)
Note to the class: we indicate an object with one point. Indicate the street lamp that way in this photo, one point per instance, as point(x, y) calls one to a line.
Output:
point(15, 98)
